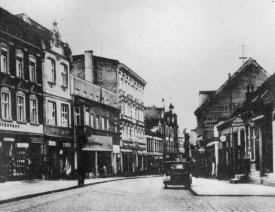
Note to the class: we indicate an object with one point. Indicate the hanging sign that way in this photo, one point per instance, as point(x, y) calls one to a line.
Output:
point(222, 138)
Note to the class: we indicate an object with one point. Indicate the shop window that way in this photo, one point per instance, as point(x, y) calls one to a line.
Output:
point(32, 69)
point(64, 115)
point(19, 64)
point(6, 105)
point(4, 60)
point(51, 113)
point(77, 116)
point(20, 108)
point(33, 111)
point(65, 76)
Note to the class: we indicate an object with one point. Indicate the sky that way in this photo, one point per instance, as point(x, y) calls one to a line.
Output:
point(178, 46)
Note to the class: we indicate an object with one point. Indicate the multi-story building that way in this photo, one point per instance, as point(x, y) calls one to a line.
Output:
point(21, 114)
point(154, 138)
point(120, 79)
point(217, 106)
point(170, 126)
point(96, 114)
point(133, 143)
point(58, 133)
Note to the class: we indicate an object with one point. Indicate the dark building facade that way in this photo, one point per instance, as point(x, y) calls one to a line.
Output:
point(120, 79)
point(96, 113)
point(217, 106)
point(21, 114)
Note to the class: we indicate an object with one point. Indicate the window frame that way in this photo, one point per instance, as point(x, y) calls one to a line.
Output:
point(34, 115)
point(65, 76)
point(63, 114)
point(19, 64)
point(21, 108)
point(52, 74)
point(48, 113)
point(32, 72)
point(4, 48)
point(77, 116)
point(8, 103)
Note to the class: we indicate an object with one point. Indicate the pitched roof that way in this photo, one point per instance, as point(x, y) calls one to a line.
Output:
point(229, 80)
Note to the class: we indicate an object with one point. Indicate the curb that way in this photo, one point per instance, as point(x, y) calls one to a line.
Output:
point(68, 188)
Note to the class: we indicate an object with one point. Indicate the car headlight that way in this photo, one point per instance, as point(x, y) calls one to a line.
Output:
point(166, 177)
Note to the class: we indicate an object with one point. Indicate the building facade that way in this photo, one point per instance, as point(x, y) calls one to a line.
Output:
point(251, 135)
point(120, 79)
point(154, 139)
point(219, 105)
point(97, 127)
point(21, 114)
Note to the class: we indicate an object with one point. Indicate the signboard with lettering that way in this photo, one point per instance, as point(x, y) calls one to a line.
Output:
point(99, 143)
point(22, 145)
point(57, 131)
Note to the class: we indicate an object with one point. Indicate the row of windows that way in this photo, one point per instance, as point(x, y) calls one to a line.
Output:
point(131, 89)
point(226, 107)
point(19, 58)
point(132, 111)
point(52, 114)
point(52, 73)
point(154, 145)
point(130, 132)
point(6, 107)
point(95, 121)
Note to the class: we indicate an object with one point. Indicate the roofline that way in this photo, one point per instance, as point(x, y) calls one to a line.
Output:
point(248, 62)
point(132, 72)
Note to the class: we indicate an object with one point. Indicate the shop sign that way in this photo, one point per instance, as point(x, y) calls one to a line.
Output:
point(55, 131)
point(67, 145)
point(22, 145)
point(9, 139)
point(99, 143)
point(51, 143)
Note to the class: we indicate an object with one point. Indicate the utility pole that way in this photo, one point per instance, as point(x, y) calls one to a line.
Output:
point(243, 57)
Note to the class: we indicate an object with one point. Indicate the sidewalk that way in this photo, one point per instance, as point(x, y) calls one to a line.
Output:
point(16, 190)
point(213, 187)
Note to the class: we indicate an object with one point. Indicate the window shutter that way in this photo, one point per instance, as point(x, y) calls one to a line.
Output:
point(13, 105)
point(27, 108)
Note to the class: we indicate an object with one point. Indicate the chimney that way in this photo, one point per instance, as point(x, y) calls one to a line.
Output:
point(249, 92)
point(89, 72)
point(229, 75)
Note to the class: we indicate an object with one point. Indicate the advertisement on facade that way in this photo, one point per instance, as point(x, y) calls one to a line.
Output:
point(99, 143)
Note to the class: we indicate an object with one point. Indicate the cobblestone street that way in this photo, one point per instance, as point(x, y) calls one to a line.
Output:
point(138, 195)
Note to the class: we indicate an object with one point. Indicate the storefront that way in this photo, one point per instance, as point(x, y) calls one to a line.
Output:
point(59, 152)
point(98, 155)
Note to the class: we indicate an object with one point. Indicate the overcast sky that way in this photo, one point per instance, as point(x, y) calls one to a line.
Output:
point(179, 47)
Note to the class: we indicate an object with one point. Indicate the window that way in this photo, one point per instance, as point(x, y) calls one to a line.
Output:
point(115, 123)
point(51, 113)
point(52, 74)
point(65, 76)
point(97, 122)
point(87, 118)
point(107, 124)
point(6, 105)
point(64, 115)
point(77, 116)
point(92, 120)
point(20, 108)
point(19, 66)
point(32, 69)
point(4, 60)
point(33, 111)
point(102, 123)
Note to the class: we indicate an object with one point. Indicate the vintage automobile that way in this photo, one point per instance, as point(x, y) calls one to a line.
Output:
point(177, 173)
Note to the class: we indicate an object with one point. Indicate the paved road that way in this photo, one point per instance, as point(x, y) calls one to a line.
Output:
point(137, 194)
